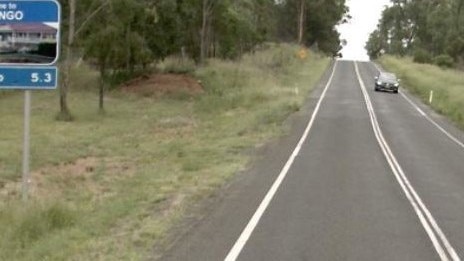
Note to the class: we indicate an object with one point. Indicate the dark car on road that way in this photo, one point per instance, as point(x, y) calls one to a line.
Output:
point(387, 82)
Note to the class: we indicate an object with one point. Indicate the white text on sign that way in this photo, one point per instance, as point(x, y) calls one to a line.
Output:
point(7, 13)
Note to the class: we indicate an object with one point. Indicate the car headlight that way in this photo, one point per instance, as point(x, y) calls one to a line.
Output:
point(397, 84)
point(379, 83)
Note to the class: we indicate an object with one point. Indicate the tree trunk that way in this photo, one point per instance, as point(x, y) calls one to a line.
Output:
point(101, 95)
point(458, 15)
point(64, 88)
point(203, 32)
point(301, 21)
point(129, 63)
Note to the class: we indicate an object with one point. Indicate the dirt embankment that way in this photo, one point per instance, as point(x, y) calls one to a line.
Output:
point(158, 85)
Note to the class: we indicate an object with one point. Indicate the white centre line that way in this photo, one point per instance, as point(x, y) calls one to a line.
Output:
point(443, 247)
point(246, 233)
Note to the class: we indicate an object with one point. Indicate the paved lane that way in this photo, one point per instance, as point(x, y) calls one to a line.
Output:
point(433, 162)
point(340, 200)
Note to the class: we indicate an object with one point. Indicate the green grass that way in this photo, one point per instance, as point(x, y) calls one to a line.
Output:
point(420, 79)
point(109, 187)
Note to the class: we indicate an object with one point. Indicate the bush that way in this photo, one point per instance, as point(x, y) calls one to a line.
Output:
point(118, 77)
point(24, 226)
point(177, 65)
point(444, 60)
point(47, 49)
point(422, 56)
point(222, 76)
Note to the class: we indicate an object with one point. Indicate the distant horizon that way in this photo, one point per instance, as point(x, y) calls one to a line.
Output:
point(365, 17)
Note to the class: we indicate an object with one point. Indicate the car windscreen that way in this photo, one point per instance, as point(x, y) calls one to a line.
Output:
point(387, 78)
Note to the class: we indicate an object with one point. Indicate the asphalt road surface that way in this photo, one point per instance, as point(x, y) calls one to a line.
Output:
point(362, 175)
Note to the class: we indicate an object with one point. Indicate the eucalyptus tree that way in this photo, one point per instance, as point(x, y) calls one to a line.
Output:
point(375, 44)
point(115, 41)
point(431, 30)
point(455, 47)
point(312, 22)
point(77, 15)
point(240, 26)
point(224, 29)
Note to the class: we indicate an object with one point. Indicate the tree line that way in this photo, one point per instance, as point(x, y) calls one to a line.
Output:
point(432, 31)
point(126, 36)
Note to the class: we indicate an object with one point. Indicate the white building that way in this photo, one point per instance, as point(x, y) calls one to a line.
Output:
point(25, 36)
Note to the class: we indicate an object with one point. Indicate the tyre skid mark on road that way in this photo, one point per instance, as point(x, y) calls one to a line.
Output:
point(253, 222)
point(443, 247)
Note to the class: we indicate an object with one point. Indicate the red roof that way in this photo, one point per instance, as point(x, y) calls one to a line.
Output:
point(31, 27)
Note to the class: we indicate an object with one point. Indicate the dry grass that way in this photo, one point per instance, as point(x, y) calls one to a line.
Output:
point(420, 79)
point(109, 187)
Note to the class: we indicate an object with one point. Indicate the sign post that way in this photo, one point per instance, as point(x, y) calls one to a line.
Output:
point(26, 145)
point(29, 50)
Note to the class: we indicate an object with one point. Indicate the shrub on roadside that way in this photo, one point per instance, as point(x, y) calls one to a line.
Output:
point(181, 150)
point(24, 225)
point(422, 56)
point(420, 79)
point(177, 65)
point(444, 60)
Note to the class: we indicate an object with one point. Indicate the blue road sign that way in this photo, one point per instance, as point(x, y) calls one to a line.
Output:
point(28, 78)
point(29, 43)
point(29, 32)
point(29, 11)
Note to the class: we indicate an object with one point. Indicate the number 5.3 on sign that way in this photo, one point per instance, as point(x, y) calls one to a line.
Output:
point(37, 77)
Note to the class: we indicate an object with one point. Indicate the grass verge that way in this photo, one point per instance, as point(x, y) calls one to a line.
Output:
point(109, 187)
point(446, 84)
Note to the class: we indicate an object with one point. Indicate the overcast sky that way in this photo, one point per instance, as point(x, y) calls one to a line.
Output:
point(366, 14)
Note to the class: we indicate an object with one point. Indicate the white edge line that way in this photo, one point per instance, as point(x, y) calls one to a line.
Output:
point(432, 121)
point(449, 135)
point(402, 179)
point(246, 233)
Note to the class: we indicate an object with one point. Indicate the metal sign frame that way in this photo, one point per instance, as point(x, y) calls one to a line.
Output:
point(30, 76)
point(41, 77)
point(58, 35)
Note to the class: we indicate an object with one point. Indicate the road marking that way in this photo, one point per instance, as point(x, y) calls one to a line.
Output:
point(418, 109)
point(449, 135)
point(427, 220)
point(246, 233)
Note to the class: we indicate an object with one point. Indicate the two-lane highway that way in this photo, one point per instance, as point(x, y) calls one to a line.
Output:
point(368, 178)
